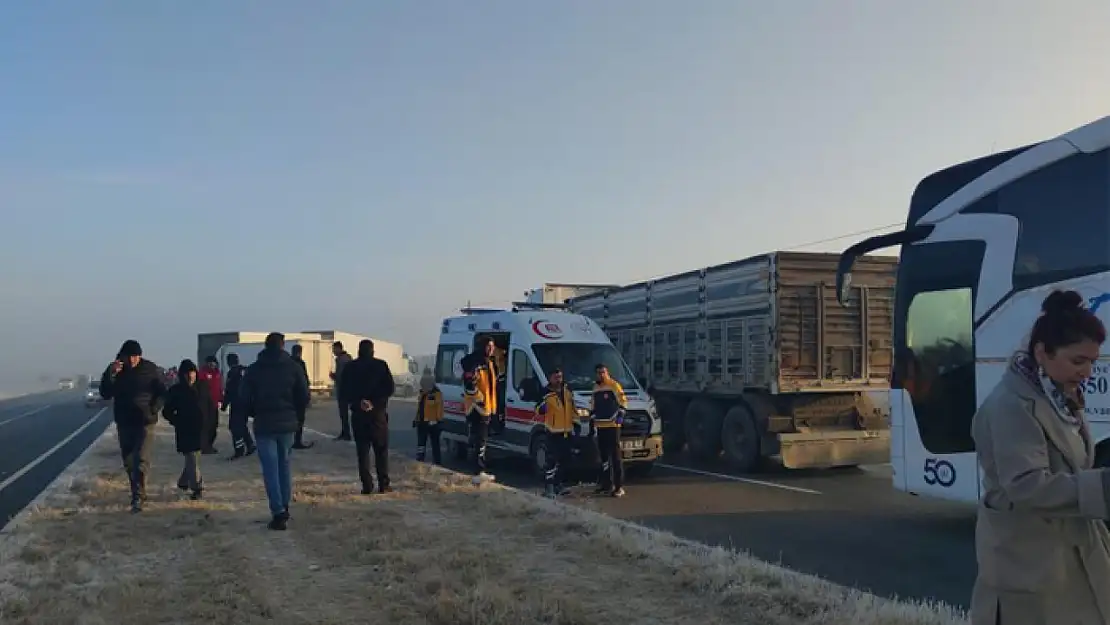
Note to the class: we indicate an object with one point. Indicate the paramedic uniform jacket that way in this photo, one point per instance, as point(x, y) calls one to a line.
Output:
point(429, 408)
point(558, 411)
point(480, 389)
point(606, 403)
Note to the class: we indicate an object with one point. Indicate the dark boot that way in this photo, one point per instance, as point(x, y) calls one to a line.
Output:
point(278, 523)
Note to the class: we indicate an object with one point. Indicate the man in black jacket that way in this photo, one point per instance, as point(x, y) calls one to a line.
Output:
point(367, 385)
point(274, 392)
point(237, 421)
point(298, 442)
point(137, 387)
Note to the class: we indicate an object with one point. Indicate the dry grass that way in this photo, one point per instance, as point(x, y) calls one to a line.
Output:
point(437, 551)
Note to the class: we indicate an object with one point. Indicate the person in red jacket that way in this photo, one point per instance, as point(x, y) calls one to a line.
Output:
point(211, 375)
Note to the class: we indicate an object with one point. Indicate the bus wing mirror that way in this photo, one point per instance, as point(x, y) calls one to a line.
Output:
point(849, 256)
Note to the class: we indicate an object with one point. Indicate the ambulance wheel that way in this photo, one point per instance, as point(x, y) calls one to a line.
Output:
point(538, 453)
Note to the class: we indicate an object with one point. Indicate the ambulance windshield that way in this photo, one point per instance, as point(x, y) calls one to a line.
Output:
point(579, 360)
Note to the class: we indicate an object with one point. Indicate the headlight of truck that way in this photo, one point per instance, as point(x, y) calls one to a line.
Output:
point(583, 413)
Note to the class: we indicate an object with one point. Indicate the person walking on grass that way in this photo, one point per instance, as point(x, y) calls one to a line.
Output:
point(367, 386)
point(274, 392)
point(215, 382)
point(136, 386)
point(298, 442)
point(237, 424)
point(342, 359)
point(189, 407)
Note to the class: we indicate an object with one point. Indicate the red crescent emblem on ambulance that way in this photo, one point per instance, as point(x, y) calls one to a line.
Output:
point(547, 330)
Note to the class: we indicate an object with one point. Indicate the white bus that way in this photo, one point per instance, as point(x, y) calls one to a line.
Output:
point(985, 242)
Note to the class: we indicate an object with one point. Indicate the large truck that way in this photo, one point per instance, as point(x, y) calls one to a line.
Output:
point(405, 375)
point(209, 343)
point(755, 359)
point(316, 353)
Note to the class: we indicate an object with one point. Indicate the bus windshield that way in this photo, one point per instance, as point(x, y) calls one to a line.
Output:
point(578, 361)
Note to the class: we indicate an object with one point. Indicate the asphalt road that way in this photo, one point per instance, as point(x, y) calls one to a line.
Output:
point(40, 435)
point(848, 526)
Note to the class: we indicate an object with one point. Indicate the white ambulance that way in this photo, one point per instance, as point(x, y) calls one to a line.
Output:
point(538, 338)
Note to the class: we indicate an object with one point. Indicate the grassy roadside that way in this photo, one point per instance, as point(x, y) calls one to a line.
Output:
point(436, 551)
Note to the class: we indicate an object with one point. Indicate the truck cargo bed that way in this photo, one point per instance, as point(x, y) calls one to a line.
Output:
point(769, 322)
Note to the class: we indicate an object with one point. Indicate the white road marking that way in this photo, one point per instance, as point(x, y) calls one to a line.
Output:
point(49, 452)
point(746, 480)
point(25, 414)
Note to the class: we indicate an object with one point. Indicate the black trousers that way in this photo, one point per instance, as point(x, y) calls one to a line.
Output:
point(371, 433)
point(428, 433)
point(135, 445)
point(241, 437)
point(344, 420)
point(558, 459)
point(299, 440)
point(612, 464)
point(478, 435)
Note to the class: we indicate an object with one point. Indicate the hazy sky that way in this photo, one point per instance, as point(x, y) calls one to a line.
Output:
point(168, 168)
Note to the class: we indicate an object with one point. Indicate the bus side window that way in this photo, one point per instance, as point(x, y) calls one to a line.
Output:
point(934, 345)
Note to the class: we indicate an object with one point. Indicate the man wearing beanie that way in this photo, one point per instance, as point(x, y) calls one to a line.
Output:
point(138, 391)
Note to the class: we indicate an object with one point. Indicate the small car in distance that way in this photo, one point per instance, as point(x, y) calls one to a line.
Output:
point(92, 394)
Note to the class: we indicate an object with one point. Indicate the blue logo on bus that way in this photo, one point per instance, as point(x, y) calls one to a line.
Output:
point(1097, 301)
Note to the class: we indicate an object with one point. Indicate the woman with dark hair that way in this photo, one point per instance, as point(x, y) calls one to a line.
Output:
point(1042, 546)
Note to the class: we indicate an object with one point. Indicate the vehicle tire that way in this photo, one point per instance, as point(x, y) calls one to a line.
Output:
point(703, 429)
point(674, 431)
point(740, 439)
point(538, 452)
point(639, 470)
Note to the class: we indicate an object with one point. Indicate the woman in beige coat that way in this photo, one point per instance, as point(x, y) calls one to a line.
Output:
point(1043, 550)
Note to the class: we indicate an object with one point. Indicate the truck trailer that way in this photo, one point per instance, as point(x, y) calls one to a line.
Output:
point(755, 359)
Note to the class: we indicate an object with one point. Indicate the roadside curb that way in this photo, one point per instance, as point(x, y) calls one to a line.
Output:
point(65, 479)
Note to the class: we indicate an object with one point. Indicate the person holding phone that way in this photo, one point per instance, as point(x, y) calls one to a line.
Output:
point(138, 391)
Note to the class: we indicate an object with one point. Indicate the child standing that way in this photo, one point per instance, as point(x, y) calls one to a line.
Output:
point(190, 407)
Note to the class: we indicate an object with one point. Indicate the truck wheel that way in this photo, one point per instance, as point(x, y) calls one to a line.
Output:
point(703, 429)
point(674, 432)
point(740, 439)
point(539, 454)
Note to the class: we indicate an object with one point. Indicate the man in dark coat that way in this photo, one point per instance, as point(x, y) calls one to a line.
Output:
point(136, 386)
point(237, 421)
point(274, 392)
point(342, 359)
point(189, 407)
point(367, 386)
point(298, 442)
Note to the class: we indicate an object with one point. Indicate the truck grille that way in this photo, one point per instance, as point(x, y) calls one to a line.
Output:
point(637, 424)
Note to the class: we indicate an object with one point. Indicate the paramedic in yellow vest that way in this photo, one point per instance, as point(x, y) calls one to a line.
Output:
point(607, 406)
point(429, 415)
point(560, 421)
point(479, 399)
point(500, 360)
